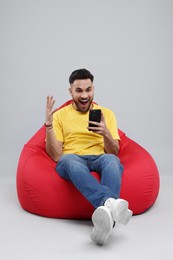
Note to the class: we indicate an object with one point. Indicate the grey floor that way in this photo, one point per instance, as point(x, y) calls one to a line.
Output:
point(24, 236)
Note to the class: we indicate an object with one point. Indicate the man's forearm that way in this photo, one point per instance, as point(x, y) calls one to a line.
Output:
point(53, 147)
point(110, 145)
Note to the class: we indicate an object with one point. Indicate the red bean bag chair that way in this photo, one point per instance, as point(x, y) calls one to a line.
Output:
point(43, 192)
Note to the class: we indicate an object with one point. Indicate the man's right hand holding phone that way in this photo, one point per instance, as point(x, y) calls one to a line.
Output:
point(97, 122)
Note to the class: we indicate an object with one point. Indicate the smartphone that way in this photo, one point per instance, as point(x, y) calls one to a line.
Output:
point(94, 115)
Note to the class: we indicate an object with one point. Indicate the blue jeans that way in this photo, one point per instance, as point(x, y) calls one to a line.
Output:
point(76, 169)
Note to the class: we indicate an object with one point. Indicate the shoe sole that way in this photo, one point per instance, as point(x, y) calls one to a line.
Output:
point(121, 213)
point(126, 217)
point(103, 225)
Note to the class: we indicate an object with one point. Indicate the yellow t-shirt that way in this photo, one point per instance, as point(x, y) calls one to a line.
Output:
point(70, 127)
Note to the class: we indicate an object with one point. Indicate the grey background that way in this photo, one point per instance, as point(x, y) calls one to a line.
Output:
point(127, 45)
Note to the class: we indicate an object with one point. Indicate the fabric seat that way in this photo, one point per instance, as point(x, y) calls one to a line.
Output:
point(43, 192)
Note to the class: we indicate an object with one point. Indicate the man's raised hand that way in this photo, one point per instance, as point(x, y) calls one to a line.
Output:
point(49, 110)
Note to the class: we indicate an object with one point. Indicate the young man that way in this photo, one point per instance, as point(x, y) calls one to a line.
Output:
point(79, 149)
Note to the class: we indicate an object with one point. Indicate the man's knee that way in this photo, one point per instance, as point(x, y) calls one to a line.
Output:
point(112, 160)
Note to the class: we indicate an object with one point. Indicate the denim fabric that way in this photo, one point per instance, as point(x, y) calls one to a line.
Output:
point(76, 169)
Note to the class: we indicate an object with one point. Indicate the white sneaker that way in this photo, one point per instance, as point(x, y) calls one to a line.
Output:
point(119, 209)
point(103, 225)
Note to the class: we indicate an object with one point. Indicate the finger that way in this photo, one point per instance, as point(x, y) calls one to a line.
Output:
point(47, 100)
point(94, 123)
point(102, 117)
point(50, 102)
point(95, 130)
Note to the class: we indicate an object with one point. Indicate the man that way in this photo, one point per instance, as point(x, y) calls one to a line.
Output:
point(79, 149)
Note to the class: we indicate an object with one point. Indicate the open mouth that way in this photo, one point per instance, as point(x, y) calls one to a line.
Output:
point(83, 103)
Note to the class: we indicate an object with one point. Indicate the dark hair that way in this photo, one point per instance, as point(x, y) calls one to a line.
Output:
point(80, 74)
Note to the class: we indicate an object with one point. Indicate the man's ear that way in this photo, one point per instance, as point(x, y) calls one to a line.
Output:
point(70, 90)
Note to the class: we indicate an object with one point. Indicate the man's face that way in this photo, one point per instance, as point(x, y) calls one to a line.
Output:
point(82, 92)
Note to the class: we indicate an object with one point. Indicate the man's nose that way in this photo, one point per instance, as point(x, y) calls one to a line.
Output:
point(84, 95)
